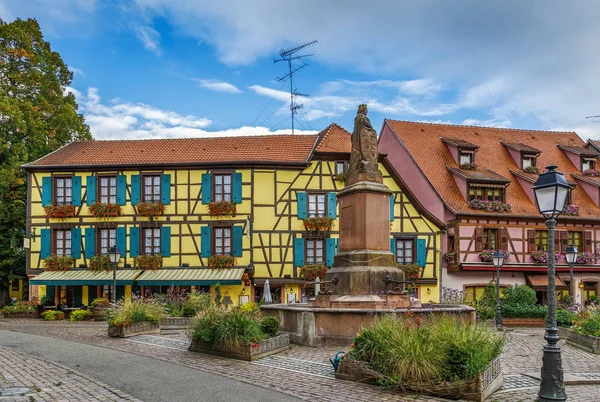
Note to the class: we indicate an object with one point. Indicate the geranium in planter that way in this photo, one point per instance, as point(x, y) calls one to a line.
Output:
point(541, 257)
point(318, 224)
point(151, 209)
point(100, 263)
point(99, 210)
point(468, 166)
point(312, 272)
point(220, 261)
point(584, 258)
point(148, 262)
point(531, 169)
point(60, 211)
point(591, 172)
point(489, 206)
point(486, 255)
point(411, 271)
point(221, 208)
point(571, 210)
point(58, 263)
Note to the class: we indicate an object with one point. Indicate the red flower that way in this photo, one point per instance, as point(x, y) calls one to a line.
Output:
point(60, 211)
point(221, 208)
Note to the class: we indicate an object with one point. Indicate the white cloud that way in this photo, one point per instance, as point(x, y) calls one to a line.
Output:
point(217, 86)
point(149, 37)
point(76, 71)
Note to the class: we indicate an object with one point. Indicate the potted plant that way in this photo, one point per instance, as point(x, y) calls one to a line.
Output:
point(486, 255)
point(411, 271)
point(221, 208)
point(99, 210)
point(134, 317)
point(60, 211)
point(341, 177)
point(53, 315)
point(571, 210)
point(312, 272)
point(148, 262)
point(450, 256)
point(100, 263)
point(99, 307)
point(150, 209)
point(318, 224)
point(81, 315)
point(220, 261)
point(58, 263)
point(531, 169)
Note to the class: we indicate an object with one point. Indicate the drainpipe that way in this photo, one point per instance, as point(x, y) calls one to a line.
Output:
point(441, 251)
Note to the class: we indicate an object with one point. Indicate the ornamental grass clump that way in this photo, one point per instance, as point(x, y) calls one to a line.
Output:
point(127, 312)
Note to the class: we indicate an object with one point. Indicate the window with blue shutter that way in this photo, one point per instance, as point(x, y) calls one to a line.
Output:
point(121, 189)
point(46, 244)
point(134, 241)
point(165, 241)
point(90, 242)
point(206, 188)
point(135, 189)
point(332, 205)
point(122, 240)
point(236, 191)
point(46, 191)
point(421, 252)
point(76, 243)
point(205, 241)
point(76, 195)
point(392, 208)
point(165, 189)
point(237, 241)
point(301, 198)
point(90, 190)
point(329, 251)
point(299, 252)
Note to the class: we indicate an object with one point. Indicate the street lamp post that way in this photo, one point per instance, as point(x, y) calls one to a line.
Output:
point(115, 256)
point(498, 259)
point(551, 191)
point(571, 256)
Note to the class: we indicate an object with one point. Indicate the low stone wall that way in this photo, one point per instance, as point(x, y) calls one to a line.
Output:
point(269, 346)
point(586, 342)
point(524, 322)
point(174, 325)
point(139, 328)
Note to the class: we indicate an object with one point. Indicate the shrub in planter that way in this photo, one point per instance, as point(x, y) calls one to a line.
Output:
point(269, 325)
point(221, 208)
point(148, 262)
point(587, 322)
point(486, 255)
point(523, 311)
point(318, 224)
point(411, 271)
point(53, 315)
point(58, 263)
point(132, 311)
point(564, 318)
point(20, 307)
point(150, 209)
point(100, 263)
point(60, 211)
point(100, 302)
point(220, 261)
point(99, 210)
point(519, 295)
point(312, 272)
point(196, 301)
point(80, 315)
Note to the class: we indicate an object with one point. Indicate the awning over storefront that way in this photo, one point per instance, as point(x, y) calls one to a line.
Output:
point(540, 282)
point(191, 277)
point(85, 277)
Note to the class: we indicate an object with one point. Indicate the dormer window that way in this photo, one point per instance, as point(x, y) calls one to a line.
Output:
point(587, 164)
point(466, 157)
point(486, 193)
point(528, 161)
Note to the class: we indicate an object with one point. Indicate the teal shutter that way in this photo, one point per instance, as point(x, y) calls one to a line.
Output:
point(332, 205)
point(392, 208)
point(421, 252)
point(237, 245)
point(77, 294)
point(50, 291)
point(165, 189)
point(76, 243)
point(301, 197)
point(206, 188)
point(236, 191)
point(165, 241)
point(135, 189)
point(205, 241)
point(393, 245)
point(121, 189)
point(90, 242)
point(122, 240)
point(134, 241)
point(329, 251)
point(45, 246)
point(76, 191)
point(46, 191)
point(299, 252)
point(90, 190)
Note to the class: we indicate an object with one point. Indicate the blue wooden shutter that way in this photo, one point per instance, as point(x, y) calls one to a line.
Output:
point(421, 252)
point(393, 246)
point(236, 193)
point(237, 245)
point(392, 208)
point(299, 252)
point(90, 190)
point(205, 241)
point(206, 188)
point(329, 251)
point(134, 241)
point(301, 197)
point(165, 189)
point(76, 243)
point(122, 240)
point(76, 191)
point(121, 189)
point(46, 191)
point(135, 190)
point(332, 205)
point(90, 242)
point(165, 241)
point(45, 246)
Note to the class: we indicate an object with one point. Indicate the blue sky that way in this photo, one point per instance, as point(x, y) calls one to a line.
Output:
point(166, 68)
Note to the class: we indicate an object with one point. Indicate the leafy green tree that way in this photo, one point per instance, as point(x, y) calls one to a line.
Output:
point(37, 116)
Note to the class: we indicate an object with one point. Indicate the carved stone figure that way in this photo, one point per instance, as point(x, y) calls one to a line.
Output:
point(363, 158)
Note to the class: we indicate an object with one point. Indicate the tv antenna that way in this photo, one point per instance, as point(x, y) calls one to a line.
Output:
point(289, 55)
point(595, 119)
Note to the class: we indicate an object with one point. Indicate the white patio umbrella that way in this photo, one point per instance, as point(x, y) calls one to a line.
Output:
point(267, 293)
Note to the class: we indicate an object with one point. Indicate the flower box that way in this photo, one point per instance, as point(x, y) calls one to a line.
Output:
point(489, 206)
point(468, 166)
point(21, 315)
point(532, 169)
point(220, 261)
point(570, 210)
point(584, 258)
point(138, 328)
point(150, 209)
point(318, 224)
point(541, 257)
point(99, 210)
point(60, 211)
point(267, 347)
point(100, 263)
point(221, 208)
point(486, 255)
point(174, 325)
point(58, 263)
point(311, 272)
point(341, 177)
point(148, 262)
point(524, 322)
point(582, 341)
point(411, 271)
point(450, 257)
point(591, 172)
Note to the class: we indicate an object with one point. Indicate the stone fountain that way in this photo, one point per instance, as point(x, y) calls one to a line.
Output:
point(364, 280)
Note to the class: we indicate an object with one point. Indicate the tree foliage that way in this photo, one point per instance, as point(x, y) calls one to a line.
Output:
point(37, 116)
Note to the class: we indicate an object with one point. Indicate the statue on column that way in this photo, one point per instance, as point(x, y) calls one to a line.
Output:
point(364, 164)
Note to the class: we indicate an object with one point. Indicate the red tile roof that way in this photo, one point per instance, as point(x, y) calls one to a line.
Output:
point(423, 142)
point(521, 147)
point(334, 139)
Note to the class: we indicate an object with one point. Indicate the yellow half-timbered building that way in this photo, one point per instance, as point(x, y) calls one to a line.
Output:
point(231, 211)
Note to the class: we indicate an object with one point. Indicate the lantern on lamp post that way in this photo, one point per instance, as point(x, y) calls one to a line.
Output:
point(498, 260)
point(571, 256)
point(551, 190)
point(115, 256)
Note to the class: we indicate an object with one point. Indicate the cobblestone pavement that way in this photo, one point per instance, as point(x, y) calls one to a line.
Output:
point(50, 382)
point(290, 372)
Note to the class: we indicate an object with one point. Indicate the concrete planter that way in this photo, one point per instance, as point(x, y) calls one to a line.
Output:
point(267, 347)
point(139, 328)
point(99, 313)
point(174, 325)
point(586, 342)
point(524, 322)
point(22, 315)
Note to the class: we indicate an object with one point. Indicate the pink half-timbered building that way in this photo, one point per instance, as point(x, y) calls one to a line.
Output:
point(478, 182)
